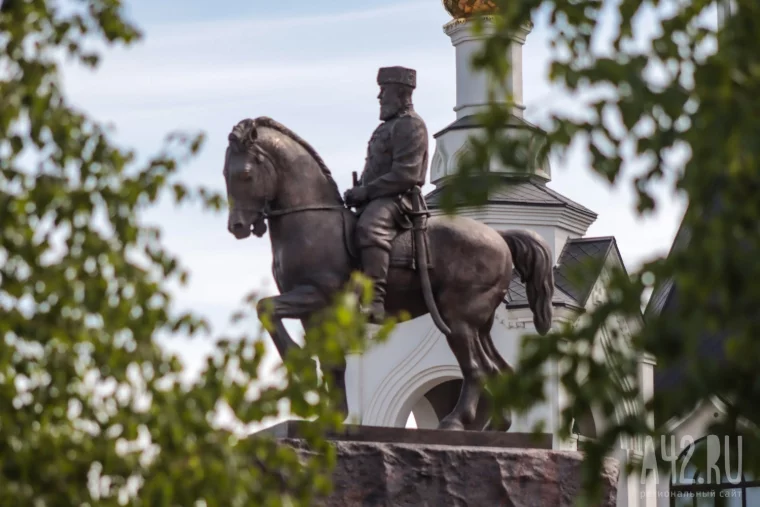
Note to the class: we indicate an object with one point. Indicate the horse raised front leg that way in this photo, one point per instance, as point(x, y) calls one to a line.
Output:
point(300, 303)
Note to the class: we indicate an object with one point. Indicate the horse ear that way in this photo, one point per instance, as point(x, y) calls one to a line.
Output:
point(252, 134)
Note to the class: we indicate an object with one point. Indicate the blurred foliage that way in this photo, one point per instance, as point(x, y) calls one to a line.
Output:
point(94, 411)
point(676, 109)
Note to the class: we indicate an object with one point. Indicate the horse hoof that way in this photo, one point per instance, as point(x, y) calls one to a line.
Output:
point(498, 425)
point(342, 409)
point(451, 424)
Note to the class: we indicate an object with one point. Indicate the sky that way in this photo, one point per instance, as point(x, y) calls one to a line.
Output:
point(312, 66)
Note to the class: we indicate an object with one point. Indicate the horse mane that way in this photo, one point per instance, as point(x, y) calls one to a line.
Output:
point(265, 121)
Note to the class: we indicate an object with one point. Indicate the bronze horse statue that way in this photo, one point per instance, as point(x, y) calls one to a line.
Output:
point(273, 175)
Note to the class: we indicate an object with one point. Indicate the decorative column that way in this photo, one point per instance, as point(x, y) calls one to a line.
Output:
point(473, 88)
point(473, 85)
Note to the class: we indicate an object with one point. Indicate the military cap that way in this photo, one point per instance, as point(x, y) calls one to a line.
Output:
point(398, 75)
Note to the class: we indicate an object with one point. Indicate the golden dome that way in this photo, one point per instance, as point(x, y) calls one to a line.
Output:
point(468, 8)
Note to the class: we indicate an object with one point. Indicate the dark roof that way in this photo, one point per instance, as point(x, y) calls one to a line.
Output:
point(664, 296)
point(587, 254)
point(665, 299)
point(518, 298)
point(670, 378)
point(709, 345)
point(570, 290)
point(659, 297)
point(520, 191)
point(664, 290)
point(473, 121)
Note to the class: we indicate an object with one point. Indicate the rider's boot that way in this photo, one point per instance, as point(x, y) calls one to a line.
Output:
point(375, 262)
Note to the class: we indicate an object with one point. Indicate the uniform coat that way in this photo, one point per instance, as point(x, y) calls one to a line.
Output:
point(397, 160)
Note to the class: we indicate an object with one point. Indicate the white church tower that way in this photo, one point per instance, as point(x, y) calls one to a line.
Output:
point(414, 375)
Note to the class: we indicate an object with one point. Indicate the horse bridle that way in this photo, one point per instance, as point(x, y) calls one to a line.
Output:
point(265, 213)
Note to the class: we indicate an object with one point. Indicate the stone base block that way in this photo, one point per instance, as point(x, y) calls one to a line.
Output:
point(374, 474)
point(362, 433)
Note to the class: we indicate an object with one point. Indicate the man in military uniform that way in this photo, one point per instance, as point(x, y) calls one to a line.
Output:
point(397, 159)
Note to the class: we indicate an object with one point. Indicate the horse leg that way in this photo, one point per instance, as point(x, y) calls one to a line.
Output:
point(300, 303)
point(462, 343)
point(497, 366)
point(295, 304)
point(337, 371)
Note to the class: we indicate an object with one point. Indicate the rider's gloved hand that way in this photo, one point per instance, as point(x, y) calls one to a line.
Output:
point(355, 196)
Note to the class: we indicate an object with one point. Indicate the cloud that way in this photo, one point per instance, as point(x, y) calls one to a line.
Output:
point(216, 30)
point(153, 83)
point(251, 56)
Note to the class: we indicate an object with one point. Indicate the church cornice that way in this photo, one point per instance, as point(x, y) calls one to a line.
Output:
point(520, 190)
point(473, 121)
point(527, 214)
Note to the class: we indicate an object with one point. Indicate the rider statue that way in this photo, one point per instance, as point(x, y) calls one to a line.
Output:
point(397, 160)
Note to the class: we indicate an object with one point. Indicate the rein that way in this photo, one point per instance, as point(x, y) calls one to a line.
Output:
point(287, 211)
point(265, 214)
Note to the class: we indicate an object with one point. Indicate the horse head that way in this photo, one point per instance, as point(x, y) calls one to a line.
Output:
point(267, 164)
point(250, 177)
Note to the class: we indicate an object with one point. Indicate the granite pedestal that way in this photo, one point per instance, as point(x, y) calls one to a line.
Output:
point(408, 467)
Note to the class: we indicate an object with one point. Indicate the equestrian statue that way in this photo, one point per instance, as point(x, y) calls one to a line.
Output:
point(454, 268)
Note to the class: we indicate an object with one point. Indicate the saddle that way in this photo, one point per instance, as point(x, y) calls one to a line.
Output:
point(409, 249)
point(411, 217)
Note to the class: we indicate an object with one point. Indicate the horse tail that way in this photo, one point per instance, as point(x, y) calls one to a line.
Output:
point(533, 261)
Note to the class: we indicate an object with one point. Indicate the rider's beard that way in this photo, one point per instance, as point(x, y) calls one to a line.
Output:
point(389, 110)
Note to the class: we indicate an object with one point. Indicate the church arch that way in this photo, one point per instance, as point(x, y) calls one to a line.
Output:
point(405, 379)
point(584, 423)
point(439, 401)
point(438, 164)
point(455, 161)
point(419, 386)
point(425, 416)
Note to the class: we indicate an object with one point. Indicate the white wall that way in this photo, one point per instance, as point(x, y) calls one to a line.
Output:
point(450, 146)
